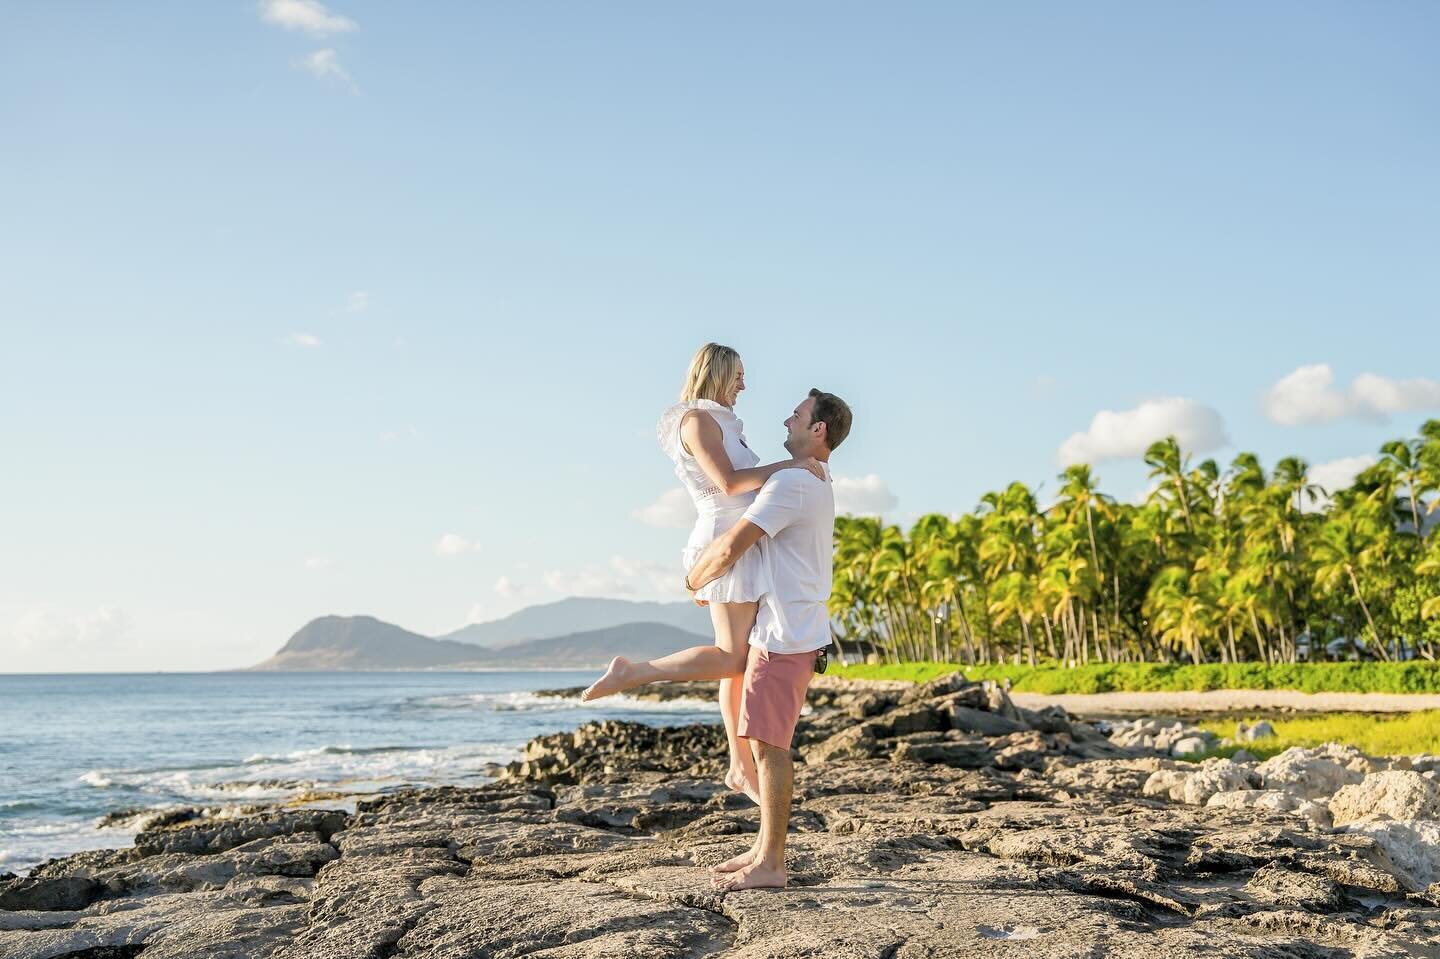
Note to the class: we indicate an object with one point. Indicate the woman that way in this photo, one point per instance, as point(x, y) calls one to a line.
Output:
point(706, 440)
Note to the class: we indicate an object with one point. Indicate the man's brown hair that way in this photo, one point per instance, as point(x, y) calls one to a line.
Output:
point(834, 413)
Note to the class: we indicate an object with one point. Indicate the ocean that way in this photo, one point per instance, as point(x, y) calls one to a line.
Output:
point(74, 748)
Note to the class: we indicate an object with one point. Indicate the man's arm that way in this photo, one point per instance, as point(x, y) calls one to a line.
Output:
point(723, 552)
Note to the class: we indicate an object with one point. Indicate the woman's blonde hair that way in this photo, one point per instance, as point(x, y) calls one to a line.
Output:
point(712, 373)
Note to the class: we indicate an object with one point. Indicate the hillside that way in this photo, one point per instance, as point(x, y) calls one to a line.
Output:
point(366, 643)
point(580, 614)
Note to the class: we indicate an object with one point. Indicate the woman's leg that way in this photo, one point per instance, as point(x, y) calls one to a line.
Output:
point(724, 661)
point(732, 622)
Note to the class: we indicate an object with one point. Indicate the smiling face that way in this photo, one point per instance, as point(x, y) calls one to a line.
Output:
point(803, 436)
point(732, 392)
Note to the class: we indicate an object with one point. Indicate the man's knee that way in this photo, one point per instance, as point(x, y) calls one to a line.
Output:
point(772, 756)
point(737, 661)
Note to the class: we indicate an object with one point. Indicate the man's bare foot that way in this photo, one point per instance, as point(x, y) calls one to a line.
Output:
point(736, 779)
point(739, 862)
point(753, 876)
point(614, 681)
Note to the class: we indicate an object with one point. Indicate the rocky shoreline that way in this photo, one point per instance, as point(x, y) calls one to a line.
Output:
point(938, 820)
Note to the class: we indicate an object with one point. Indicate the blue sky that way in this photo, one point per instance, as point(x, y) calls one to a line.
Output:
point(366, 307)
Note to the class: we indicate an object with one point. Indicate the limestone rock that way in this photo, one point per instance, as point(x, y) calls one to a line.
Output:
point(1248, 734)
point(1273, 800)
point(1413, 846)
point(952, 825)
point(1314, 773)
point(970, 720)
point(1295, 890)
point(1393, 794)
point(1189, 746)
point(60, 893)
point(1194, 784)
point(215, 836)
point(1214, 776)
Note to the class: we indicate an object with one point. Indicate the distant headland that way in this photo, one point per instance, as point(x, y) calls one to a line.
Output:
point(574, 633)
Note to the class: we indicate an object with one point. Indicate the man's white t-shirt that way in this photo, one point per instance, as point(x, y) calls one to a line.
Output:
point(797, 511)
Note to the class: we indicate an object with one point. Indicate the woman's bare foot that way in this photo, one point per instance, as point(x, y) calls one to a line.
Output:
point(736, 779)
point(739, 862)
point(754, 876)
point(614, 681)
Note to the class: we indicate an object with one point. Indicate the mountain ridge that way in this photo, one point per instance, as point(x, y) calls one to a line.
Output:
point(578, 614)
point(357, 643)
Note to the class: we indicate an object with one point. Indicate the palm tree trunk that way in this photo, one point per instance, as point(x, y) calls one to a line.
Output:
point(1355, 584)
point(1049, 637)
point(1184, 503)
point(1260, 645)
point(968, 633)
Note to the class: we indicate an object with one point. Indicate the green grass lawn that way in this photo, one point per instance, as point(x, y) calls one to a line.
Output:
point(1411, 677)
point(1377, 735)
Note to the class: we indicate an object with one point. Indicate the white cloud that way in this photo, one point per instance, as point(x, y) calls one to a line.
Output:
point(505, 586)
point(357, 302)
point(866, 496)
point(453, 544)
point(1122, 434)
point(1309, 395)
point(476, 615)
point(302, 339)
point(408, 432)
point(318, 562)
point(309, 16)
point(46, 628)
point(1335, 475)
point(673, 510)
point(620, 577)
point(325, 64)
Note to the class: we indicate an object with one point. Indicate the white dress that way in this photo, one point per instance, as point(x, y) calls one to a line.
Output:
point(749, 578)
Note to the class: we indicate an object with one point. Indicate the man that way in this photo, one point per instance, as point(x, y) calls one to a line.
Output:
point(796, 511)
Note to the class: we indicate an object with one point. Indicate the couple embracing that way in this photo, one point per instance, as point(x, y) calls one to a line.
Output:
point(760, 559)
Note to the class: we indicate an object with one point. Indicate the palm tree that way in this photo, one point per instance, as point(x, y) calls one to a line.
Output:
point(1233, 565)
point(1345, 545)
point(1169, 464)
point(1183, 611)
point(1402, 459)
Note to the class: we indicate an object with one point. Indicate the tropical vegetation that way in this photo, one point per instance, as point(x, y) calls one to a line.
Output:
point(1228, 566)
point(1414, 676)
point(1376, 735)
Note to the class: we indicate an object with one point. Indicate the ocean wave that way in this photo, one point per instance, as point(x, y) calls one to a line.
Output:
point(28, 843)
point(272, 778)
point(302, 754)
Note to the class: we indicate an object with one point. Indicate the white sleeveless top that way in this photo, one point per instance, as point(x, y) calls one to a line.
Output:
point(706, 496)
point(749, 579)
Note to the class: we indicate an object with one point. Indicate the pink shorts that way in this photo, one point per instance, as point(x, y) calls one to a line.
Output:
point(774, 691)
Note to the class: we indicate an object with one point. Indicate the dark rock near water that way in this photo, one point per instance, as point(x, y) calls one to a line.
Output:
point(936, 821)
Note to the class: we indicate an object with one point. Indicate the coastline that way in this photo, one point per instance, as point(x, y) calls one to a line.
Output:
point(943, 820)
point(231, 741)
